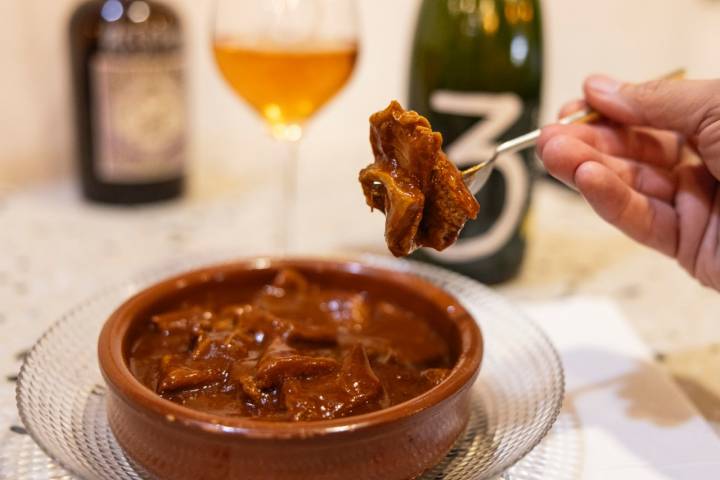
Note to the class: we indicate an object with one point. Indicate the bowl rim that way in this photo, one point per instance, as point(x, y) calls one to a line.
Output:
point(122, 382)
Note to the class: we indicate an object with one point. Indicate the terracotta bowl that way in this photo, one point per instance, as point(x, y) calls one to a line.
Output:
point(174, 442)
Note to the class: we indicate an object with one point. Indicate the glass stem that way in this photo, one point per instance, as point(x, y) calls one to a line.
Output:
point(287, 219)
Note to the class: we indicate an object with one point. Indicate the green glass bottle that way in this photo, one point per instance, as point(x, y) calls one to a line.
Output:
point(476, 74)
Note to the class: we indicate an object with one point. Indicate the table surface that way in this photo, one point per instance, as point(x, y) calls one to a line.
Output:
point(573, 252)
point(58, 250)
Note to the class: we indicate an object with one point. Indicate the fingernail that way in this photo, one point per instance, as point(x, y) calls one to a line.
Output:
point(603, 85)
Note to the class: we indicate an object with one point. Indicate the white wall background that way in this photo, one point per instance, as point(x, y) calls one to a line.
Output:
point(636, 39)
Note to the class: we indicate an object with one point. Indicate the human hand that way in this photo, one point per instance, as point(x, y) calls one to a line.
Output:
point(652, 169)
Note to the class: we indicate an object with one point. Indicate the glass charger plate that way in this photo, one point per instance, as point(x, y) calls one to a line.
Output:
point(516, 400)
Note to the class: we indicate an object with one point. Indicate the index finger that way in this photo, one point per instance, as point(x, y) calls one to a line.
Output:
point(654, 147)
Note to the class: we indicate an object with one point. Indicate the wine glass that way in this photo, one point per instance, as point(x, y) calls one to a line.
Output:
point(286, 59)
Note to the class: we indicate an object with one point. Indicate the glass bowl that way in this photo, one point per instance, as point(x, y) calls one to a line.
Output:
point(516, 399)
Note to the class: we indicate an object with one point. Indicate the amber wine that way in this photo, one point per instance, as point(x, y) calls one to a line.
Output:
point(476, 74)
point(286, 85)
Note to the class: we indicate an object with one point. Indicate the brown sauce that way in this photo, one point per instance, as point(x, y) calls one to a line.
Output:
point(289, 351)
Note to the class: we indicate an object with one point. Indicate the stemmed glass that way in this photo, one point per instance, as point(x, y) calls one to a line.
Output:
point(286, 59)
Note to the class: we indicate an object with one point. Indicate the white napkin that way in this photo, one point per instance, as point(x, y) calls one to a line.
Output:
point(623, 417)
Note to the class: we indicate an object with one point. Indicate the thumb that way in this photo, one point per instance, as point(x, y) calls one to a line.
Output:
point(690, 107)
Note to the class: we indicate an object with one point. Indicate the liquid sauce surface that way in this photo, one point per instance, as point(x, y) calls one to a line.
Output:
point(292, 351)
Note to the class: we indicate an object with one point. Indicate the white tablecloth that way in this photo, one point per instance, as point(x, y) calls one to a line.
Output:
point(628, 419)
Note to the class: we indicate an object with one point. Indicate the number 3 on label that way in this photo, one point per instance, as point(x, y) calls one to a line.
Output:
point(499, 112)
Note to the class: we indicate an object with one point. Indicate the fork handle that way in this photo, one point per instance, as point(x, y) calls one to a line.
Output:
point(530, 139)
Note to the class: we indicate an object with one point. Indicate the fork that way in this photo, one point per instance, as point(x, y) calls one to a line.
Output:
point(476, 177)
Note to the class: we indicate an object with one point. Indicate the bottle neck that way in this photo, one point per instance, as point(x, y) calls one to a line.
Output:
point(123, 3)
point(135, 26)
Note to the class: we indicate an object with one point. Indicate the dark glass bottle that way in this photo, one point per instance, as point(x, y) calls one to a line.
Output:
point(476, 75)
point(129, 91)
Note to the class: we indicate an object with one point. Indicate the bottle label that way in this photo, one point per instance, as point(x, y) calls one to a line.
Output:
point(139, 117)
point(499, 112)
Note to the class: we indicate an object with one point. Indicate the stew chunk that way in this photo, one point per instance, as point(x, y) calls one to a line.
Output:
point(421, 192)
point(289, 350)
